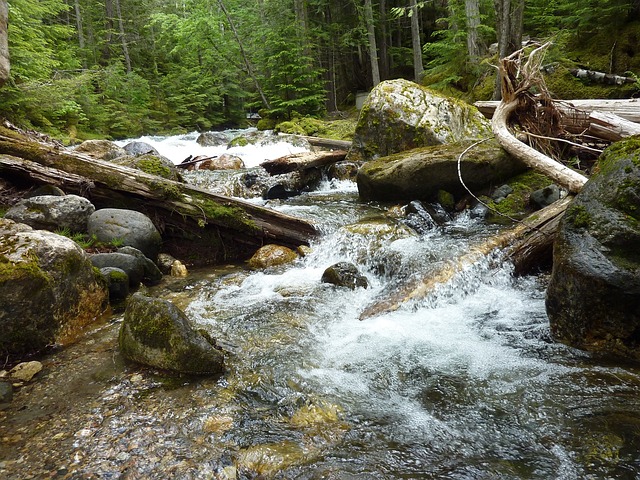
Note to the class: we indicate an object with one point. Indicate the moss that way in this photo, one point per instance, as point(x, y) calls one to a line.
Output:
point(578, 215)
point(154, 166)
point(516, 204)
point(239, 142)
point(232, 217)
point(266, 124)
point(446, 199)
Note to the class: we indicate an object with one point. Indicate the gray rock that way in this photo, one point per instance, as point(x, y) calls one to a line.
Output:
point(593, 298)
point(139, 148)
point(130, 264)
point(157, 333)
point(117, 281)
point(152, 274)
point(501, 193)
point(344, 274)
point(545, 196)
point(49, 291)
point(132, 228)
point(164, 263)
point(400, 115)
point(101, 149)
point(6, 392)
point(212, 139)
point(49, 212)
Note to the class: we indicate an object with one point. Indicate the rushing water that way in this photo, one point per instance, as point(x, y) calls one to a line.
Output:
point(464, 384)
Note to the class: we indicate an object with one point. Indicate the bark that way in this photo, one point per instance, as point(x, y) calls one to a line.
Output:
point(509, 24)
point(521, 236)
point(373, 48)
point(194, 222)
point(472, 12)
point(79, 29)
point(383, 44)
point(418, 67)
point(4, 43)
point(302, 161)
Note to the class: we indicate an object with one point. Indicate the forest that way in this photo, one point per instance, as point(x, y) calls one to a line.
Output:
point(121, 68)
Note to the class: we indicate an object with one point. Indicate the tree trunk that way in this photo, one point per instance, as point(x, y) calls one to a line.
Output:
point(79, 28)
point(123, 38)
point(245, 58)
point(4, 43)
point(373, 48)
point(383, 45)
point(195, 223)
point(509, 24)
point(106, 52)
point(416, 43)
point(519, 235)
point(472, 12)
point(302, 161)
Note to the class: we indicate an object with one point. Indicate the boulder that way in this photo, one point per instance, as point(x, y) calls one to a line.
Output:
point(128, 227)
point(49, 291)
point(101, 149)
point(225, 161)
point(593, 298)
point(272, 256)
point(157, 333)
point(401, 115)
point(49, 212)
point(151, 163)
point(152, 274)
point(344, 274)
point(212, 139)
point(117, 282)
point(129, 264)
point(544, 197)
point(422, 173)
point(139, 148)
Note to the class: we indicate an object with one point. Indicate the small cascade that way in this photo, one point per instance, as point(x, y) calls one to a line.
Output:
point(463, 383)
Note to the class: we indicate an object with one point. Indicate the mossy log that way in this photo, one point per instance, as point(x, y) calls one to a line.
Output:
point(526, 244)
point(302, 161)
point(328, 143)
point(199, 226)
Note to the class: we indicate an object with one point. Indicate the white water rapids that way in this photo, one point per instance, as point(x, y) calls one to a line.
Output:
point(465, 384)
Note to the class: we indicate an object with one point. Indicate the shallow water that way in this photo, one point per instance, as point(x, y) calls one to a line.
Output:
point(463, 384)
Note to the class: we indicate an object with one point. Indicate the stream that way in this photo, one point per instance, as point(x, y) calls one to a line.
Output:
point(464, 384)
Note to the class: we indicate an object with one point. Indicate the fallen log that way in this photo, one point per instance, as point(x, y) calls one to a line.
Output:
point(302, 161)
point(525, 243)
point(611, 127)
point(601, 77)
point(575, 113)
point(328, 142)
point(199, 226)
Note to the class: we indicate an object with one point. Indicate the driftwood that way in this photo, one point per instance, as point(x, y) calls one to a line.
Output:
point(190, 161)
point(302, 161)
point(611, 127)
point(601, 77)
point(528, 242)
point(516, 81)
point(200, 226)
point(575, 113)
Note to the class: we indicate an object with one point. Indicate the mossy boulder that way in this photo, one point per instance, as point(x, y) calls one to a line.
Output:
point(421, 173)
point(157, 333)
point(49, 291)
point(272, 256)
point(151, 163)
point(401, 115)
point(593, 299)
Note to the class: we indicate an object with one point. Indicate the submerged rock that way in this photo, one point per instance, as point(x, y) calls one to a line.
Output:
point(400, 115)
point(593, 299)
point(157, 333)
point(344, 274)
point(271, 256)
